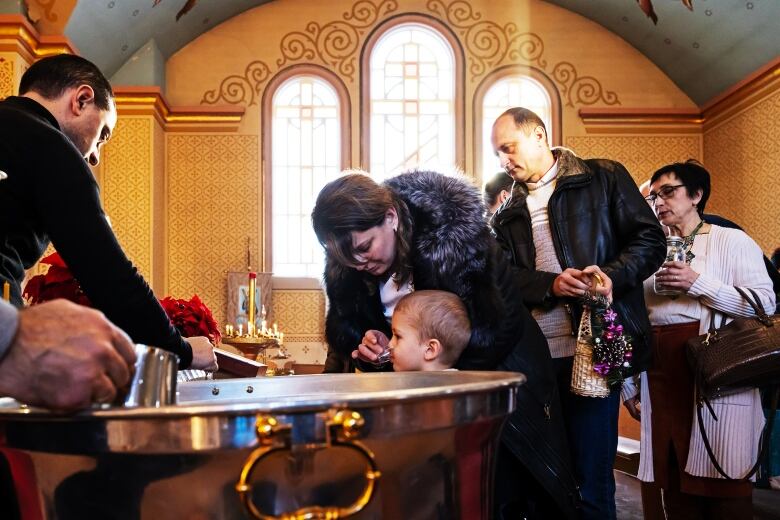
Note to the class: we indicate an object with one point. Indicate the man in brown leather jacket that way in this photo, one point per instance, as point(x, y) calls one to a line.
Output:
point(566, 220)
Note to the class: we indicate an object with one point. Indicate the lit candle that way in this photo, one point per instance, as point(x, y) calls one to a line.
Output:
point(7, 291)
point(276, 330)
point(250, 329)
point(263, 325)
point(240, 329)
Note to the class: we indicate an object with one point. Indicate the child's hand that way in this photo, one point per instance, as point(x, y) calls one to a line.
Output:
point(372, 347)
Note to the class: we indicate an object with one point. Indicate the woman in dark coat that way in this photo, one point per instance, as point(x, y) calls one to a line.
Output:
point(425, 230)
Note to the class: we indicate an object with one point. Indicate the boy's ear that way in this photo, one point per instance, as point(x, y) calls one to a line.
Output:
point(433, 350)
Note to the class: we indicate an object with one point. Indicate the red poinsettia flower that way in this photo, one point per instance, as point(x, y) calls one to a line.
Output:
point(192, 318)
point(58, 282)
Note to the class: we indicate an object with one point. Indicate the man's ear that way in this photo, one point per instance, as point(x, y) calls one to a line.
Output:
point(433, 350)
point(80, 98)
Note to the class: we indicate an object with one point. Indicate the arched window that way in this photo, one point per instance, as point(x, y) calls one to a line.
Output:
point(412, 99)
point(308, 128)
point(504, 89)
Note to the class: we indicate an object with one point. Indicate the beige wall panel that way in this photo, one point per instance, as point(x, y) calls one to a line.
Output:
point(126, 178)
point(743, 155)
point(213, 206)
point(641, 154)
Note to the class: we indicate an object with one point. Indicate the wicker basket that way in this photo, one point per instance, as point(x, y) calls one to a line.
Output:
point(584, 380)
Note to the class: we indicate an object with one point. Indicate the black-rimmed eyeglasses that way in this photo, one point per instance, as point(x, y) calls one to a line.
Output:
point(665, 193)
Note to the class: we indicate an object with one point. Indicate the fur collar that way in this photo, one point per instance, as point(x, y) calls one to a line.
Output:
point(450, 230)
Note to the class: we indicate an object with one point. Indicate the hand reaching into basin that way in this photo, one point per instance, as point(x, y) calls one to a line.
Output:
point(65, 356)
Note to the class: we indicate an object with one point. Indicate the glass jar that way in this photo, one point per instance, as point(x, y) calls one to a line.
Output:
point(675, 252)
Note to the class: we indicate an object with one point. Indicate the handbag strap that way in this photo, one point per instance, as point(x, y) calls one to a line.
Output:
point(755, 302)
point(763, 443)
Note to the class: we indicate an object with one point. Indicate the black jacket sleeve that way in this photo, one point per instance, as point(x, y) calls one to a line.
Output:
point(643, 245)
point(68, 204)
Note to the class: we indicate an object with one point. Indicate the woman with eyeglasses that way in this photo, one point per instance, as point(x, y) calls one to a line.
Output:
point(716, 260)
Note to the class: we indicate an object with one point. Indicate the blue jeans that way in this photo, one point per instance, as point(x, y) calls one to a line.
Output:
point(592, 431)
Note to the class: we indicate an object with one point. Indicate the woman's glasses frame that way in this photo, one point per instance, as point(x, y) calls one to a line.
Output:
point(665, 192)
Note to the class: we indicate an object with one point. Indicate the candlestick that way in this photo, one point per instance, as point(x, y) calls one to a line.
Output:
point(251, 300)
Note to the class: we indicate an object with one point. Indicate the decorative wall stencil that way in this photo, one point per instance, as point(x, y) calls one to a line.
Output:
point(6, 78)
point(743, 156)
point(585, 90)
point(487, 43)
point(240, 90)
point(300, 312)
point(213, 205)
point(335, 44)
point(640, 154)
point(126, 183)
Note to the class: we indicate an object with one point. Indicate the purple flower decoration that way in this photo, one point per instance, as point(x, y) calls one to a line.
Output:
point(601, 368)
point(610, 315)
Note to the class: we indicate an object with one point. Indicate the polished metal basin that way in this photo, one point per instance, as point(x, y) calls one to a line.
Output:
point(389, 445)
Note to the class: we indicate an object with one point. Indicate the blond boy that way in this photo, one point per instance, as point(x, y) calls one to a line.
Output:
point(430, 331)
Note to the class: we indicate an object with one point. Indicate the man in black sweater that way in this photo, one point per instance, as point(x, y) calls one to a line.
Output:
point(64, 114)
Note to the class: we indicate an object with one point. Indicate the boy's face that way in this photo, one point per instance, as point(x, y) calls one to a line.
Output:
point(407, 351)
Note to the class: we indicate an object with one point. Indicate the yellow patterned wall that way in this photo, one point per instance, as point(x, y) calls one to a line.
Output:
point(743, 155)
point(159, 233)
point(640, 154)
point(126, 178)
point(301, 314)
point(213, 205)
point(7, 76)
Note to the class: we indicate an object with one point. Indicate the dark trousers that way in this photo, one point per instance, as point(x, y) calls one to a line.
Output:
point(592, 431)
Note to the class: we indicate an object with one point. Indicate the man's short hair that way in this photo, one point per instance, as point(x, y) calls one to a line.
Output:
point(438, 315)
point(51, 77)
point(525, 119)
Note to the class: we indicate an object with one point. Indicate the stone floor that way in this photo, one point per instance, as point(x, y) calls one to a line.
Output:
point(766, 503)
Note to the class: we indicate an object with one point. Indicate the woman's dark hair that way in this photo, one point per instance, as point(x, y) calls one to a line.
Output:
point(52, 76)
point(355, 202)
point(693, 176)
point(498, 183)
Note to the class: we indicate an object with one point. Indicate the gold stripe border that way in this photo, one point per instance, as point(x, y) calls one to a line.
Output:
point(150, 101)
point(18, 35)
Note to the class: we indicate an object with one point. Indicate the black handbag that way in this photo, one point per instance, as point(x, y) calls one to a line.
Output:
point(741, 355)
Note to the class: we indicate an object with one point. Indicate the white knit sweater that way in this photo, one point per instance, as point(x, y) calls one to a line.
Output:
point(727, 258)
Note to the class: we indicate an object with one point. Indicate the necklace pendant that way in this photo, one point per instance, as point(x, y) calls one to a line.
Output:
point(689, 256)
